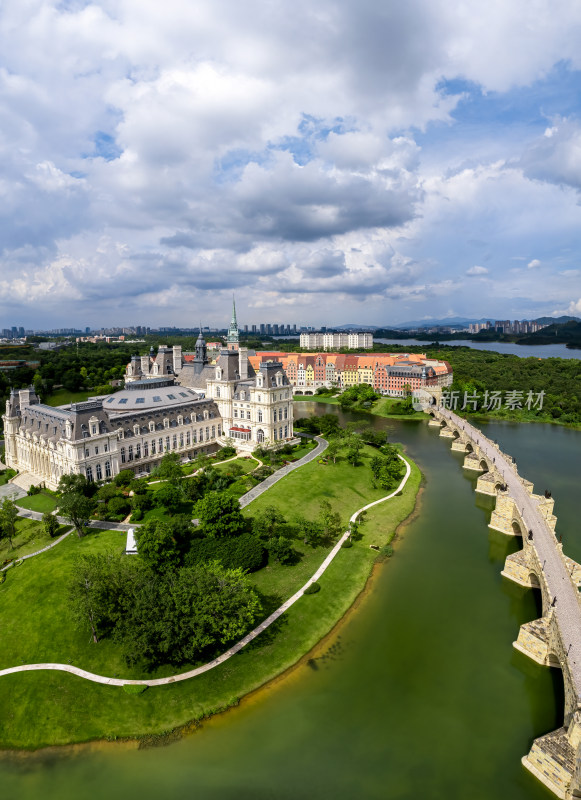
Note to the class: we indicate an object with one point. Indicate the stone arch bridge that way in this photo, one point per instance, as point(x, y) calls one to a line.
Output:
point(554, 640)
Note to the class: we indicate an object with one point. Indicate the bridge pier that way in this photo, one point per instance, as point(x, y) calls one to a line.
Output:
point(506, 517)
point(554, 639)
point(517, 570)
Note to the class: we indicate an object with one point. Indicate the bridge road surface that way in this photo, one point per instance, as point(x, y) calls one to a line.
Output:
point(567, 609)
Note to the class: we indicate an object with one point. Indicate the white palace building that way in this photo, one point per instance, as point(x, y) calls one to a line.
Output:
point(166, 405)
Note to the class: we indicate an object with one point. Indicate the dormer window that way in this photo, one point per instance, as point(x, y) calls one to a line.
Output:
point(136, 430)
point(180, 420)
point(152, 427)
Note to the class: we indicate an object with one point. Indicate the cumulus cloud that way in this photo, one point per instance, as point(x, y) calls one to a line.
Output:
point(534, 263)
point(162, 153)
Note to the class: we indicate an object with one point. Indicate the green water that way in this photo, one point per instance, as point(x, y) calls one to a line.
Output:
point(420, 693)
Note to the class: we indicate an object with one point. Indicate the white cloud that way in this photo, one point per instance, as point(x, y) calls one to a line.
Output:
point(159, 152)
point(534, 263)
point(575, 307)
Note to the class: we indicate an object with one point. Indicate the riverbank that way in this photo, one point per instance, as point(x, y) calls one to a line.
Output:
point(45, 708)
point(383, 407)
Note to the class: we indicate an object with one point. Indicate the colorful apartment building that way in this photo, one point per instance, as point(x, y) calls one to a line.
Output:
point(392, 374)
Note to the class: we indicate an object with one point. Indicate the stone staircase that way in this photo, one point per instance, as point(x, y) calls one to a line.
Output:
point(25, 480)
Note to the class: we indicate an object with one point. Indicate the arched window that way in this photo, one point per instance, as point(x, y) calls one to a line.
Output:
point(99, 473)
point(130, 453)
point(90, 474)
point(260, 435)
point(107, 469)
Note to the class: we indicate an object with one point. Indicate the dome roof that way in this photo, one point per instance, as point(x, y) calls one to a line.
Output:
point(148, 394)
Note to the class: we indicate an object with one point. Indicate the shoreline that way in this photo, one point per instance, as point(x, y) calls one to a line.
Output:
point(576, 426)
point(270, 684)
point(278, 664)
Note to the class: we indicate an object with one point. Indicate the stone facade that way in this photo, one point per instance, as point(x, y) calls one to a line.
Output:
point(98, 438)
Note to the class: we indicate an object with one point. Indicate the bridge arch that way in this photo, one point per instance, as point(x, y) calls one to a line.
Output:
point(484, 465)
point(516, 528)
point(469, 448)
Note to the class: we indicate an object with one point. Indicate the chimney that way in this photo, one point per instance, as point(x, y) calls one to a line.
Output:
point(145, 365)
point(177, 358)
point(243, 363)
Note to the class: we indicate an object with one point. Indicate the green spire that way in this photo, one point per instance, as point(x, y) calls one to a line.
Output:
point(233, 338)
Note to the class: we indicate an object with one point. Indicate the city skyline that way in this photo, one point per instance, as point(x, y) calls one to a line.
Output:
point(405, 161)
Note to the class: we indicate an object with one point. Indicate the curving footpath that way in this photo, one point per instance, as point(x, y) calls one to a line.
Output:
point(81, 673)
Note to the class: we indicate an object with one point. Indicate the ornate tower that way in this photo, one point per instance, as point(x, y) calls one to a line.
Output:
point(233, 340)
point(201, 357)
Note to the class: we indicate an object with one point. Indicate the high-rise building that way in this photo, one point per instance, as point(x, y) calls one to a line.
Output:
point(262, 328)
point(254, 329)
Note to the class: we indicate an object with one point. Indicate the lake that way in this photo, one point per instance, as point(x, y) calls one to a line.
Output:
point(418, 693)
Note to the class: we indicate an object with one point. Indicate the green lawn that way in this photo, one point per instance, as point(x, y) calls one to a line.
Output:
point(30, 536)
point(62, 396)
point(43, 708)
point(317, 398)
point(38, 502)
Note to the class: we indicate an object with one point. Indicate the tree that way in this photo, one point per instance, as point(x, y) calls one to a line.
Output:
point(8, 517)
point(69, 484)
point(99, 582)
point(311, 531)
point(388, 468)
point(171, 496)
point(219, 515)
point(333, 449)
point(50, 524)
point(280, 549)
point(354, 447)
point(196, 608)
point(76, 509)
point(268, 523)
point(156, 545)
point(330, 520)
point(124, 477)
point(169, 468)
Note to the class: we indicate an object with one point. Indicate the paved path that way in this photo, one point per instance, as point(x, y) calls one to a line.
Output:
point(42, 550)
point(567, 609)
point(12, 491)
point(239, 645)
point(247, 498)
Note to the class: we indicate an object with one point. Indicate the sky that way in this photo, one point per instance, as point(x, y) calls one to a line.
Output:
point(329, 163)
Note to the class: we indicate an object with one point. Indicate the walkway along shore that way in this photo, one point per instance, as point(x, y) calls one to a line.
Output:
point(249, 636)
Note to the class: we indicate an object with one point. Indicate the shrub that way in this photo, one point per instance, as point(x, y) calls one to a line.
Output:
point(33, 490)
point(244, 551)
point(124, 478)
point(137, 515)
point(2, 576)
point(119, 505)
point(313, 588)
point(108, 491)
point(347, 543)
point(227, 452)
point(386, 551)
point(247, 552)
point(143, 502)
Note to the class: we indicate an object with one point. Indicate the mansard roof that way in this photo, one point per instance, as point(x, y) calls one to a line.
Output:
point(150, 393)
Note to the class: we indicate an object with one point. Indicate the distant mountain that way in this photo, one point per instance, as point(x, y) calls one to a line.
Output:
point(353, 327)
point(566, 333)
point(430, 323)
